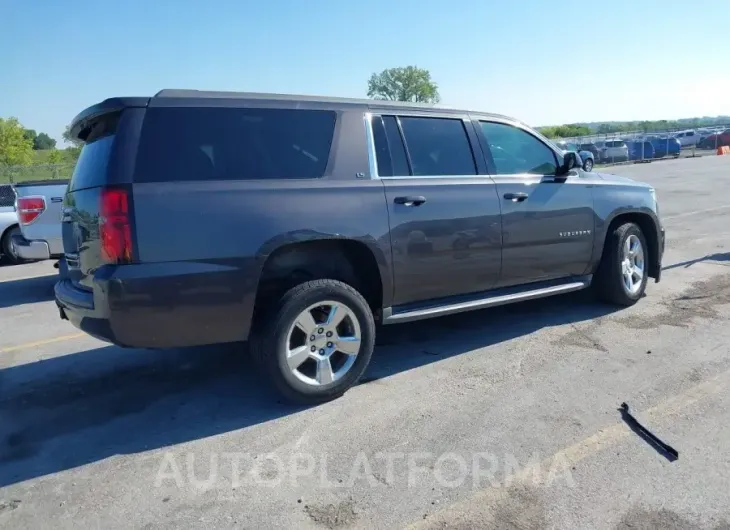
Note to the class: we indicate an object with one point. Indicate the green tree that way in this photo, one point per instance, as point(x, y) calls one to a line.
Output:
point(72, 153)
point(30, 134)
point(15, 148)
point(43, 141)
point(566, 131)
point(408, 83)
point(71, 139)
point(55, 156)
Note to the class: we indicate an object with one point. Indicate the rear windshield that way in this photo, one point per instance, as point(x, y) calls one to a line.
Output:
point(186, 144)
point(615, 144)
point(91, 167)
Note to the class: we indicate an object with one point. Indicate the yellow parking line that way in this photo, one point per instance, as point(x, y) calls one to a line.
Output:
point(573, 454)
point(28, 345)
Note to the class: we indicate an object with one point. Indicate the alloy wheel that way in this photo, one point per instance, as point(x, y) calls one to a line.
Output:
point(632, 264)
point(323, 343)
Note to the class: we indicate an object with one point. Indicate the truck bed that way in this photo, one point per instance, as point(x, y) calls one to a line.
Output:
point(42, 237)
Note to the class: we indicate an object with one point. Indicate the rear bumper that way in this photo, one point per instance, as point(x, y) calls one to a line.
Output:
point(163, 305)
point(31, 250)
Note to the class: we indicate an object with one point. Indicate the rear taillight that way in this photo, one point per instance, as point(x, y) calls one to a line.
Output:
point(114, 226)
point(29, 208)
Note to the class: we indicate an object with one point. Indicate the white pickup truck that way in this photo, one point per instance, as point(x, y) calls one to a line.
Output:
point(38, 206)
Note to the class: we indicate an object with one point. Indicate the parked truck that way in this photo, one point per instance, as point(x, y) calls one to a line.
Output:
point(38, 206)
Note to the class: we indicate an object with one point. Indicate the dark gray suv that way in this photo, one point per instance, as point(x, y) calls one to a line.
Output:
point(299, 223)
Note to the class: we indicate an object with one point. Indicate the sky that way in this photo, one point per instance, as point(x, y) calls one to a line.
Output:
point(543, 61)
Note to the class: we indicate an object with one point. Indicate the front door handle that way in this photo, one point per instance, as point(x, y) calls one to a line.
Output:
point(410, 200)
point(515, 197)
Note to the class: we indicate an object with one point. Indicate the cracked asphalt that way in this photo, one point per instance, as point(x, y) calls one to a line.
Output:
point(503, 418)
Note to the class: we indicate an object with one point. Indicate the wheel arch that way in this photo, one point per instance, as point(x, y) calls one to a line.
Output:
point(6, 233)
point(352, 261)
point(649, 224)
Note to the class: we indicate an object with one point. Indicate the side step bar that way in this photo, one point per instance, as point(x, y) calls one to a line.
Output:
point(395, 315)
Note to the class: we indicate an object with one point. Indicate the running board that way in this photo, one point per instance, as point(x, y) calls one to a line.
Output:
point(396, 315)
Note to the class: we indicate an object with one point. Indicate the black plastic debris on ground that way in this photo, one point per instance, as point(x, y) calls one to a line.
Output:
point(667, 451)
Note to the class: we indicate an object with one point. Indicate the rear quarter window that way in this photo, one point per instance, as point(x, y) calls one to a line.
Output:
point(187, 144)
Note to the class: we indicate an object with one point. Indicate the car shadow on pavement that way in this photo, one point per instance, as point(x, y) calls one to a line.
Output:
point(720, 256)
point(67, 411)
point(27, 290)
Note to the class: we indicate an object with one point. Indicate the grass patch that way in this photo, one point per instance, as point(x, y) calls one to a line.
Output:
point(40, 169)
point(15, 174)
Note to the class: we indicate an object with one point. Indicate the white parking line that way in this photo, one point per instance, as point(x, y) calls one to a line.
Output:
point(20, 278)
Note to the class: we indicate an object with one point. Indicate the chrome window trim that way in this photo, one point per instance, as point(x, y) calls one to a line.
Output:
point(435, 177)
point(370, 137)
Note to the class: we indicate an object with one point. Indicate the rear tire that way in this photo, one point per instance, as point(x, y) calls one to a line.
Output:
point(588, 165)
point(312, 367)
point(623, 272)
point(8, 248)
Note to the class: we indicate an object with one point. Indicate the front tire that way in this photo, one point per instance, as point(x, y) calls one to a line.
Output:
point(623, 272)
point(588, 165)
point(317, 343)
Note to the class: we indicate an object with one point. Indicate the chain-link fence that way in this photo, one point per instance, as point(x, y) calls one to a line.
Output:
point(640, 146)
point(15, 174)
point(7, 196)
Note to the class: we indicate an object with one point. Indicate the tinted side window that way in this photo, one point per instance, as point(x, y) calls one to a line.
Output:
point(515, 151)
point(233, 144)
point(382, 152)
point(397, 151)
point(389, 150)
point(438, 146)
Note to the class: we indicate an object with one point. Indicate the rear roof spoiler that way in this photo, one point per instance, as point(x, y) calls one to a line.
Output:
point(87, 116)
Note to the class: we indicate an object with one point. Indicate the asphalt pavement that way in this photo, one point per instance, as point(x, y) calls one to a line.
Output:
point(503, 418)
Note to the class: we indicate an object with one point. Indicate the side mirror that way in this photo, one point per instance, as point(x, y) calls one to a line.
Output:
point(571, 160)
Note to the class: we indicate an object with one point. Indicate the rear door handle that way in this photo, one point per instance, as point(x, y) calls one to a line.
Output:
point(410, 200)
point(515, 197)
